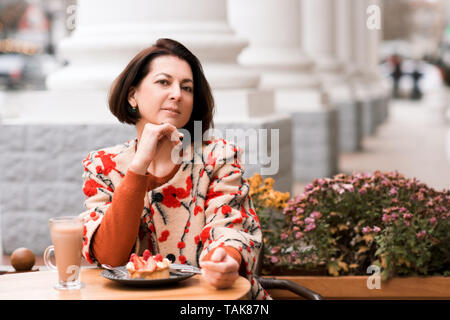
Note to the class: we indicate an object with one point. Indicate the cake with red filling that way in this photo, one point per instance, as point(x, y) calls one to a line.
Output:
point(148, 266)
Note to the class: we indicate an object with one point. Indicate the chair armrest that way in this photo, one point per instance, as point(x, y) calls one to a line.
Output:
point(272, 283)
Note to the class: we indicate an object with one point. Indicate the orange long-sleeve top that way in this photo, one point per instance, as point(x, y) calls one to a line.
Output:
point(114, 239)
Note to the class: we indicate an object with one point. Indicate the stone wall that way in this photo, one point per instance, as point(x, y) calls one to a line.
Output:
point(41, 176)
point(350, 128)
point(316, 142)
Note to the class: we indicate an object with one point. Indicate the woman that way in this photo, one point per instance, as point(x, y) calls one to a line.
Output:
point(197, 212)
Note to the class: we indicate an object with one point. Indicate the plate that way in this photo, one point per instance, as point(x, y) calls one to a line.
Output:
point(175, 276)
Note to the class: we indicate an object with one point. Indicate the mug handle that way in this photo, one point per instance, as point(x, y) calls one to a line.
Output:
point(47, 260)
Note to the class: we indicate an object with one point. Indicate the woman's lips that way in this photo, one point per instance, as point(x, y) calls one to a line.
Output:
point(173, 111)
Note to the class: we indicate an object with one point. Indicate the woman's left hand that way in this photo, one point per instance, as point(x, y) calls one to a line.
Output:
point(221, 271)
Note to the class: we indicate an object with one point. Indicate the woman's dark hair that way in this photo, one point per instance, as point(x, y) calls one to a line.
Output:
point(139, 67)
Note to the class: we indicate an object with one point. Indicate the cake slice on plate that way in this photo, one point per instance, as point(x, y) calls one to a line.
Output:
point(148, 266)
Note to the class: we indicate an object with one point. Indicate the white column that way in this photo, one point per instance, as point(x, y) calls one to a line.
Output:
point(343, 34)
point(351, 117)
point(320, 23)
point(275, 51)
point(380, 84)
point(318, 37)
point(363, 87)
point(275, 48)
point(110, 32)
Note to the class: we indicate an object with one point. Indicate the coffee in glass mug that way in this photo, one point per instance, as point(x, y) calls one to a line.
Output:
point(67, 239)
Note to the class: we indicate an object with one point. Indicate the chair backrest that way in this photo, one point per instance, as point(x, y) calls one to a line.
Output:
point(259, 263)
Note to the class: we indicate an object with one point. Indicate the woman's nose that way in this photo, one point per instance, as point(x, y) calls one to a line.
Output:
point(175, 92)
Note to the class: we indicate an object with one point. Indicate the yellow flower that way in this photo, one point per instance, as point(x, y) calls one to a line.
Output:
point(269, 182)
point(263, 193)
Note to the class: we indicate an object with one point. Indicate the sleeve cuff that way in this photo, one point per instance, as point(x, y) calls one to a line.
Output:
point(135, 181)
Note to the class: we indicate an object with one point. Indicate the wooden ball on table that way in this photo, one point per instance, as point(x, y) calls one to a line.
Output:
point(23, 259)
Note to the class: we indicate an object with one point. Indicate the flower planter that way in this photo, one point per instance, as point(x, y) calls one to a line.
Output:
point(356, 287)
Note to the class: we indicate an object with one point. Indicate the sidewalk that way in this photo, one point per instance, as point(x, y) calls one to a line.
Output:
point(410, 141)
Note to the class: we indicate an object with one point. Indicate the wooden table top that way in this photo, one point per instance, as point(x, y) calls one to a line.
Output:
point(39, 286)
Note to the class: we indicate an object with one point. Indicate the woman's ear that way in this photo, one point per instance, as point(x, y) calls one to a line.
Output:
point(131, 99)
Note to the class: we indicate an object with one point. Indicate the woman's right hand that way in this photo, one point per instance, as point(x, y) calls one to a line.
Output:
point(151, 138)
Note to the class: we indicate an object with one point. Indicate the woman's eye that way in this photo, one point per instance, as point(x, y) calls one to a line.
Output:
point(164, 82)
point(188, 89)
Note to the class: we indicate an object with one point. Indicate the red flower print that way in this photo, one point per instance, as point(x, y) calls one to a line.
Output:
point(181, 245)
point(211, 195)
point(170, 197)
point(253, 213)
point(226, 209)
point(94, 216)
point(188, 186)
point(243, 212)
point(152, 212)
point(211, 160)
point(182, 259)
point(88, 258)
point(90, 188)
point(108, 163)
point(196, 239)
point(172, 194)
point(164, 236)
point(197, 210)
point(87, 158)
point(237, 220)
point(204, 235)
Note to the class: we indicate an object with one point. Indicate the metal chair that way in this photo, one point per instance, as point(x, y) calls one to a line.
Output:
point(272, 283)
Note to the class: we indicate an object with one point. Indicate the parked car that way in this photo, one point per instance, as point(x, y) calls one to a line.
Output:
point(36, 70)
point(19, 71)
point(11, 70)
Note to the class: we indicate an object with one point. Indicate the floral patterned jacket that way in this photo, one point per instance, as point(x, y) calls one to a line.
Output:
point(206, 204)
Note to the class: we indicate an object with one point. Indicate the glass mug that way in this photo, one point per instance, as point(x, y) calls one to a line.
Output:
point(67, 239)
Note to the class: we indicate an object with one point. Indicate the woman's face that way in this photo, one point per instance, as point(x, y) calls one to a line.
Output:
point(166, 94)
